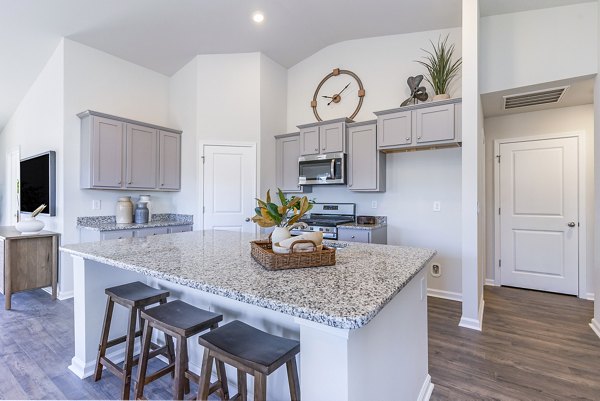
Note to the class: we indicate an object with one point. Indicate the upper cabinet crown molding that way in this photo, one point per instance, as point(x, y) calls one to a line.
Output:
point(119, 153)
point(126, 120)
point(423, 105)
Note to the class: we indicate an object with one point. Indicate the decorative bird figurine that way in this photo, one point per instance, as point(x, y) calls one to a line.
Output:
point(416, 92)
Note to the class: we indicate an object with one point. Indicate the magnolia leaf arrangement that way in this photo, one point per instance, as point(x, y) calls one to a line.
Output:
point(269, 214)
point(441, 70)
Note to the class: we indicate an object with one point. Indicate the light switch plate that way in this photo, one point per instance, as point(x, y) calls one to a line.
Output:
point(437, 206)
point(374, 204)
point(96, 205)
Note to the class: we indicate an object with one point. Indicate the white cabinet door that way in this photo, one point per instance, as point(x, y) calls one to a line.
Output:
point(435, 124)
point(394, 130)
point(141, 164)
point(309, 141)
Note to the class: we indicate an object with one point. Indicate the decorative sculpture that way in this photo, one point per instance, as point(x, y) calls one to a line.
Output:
point(416, 92)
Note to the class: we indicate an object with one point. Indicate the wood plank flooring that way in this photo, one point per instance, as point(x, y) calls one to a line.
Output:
point(534, 346)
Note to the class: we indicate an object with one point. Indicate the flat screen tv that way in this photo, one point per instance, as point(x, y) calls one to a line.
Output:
point(38, 183)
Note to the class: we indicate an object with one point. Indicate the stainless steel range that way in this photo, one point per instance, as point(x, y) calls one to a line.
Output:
point(325, 217)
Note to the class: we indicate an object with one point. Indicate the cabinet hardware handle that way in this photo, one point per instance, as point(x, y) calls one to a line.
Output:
point(418, 137)
point(350, 185)
point(119, 182)
point(323, 148)
point(353, 236)
point(129, 182)
point(316, 149)
point(571, 224)
point(407, 139)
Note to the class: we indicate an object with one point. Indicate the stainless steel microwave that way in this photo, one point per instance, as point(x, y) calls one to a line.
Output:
point(329, 168)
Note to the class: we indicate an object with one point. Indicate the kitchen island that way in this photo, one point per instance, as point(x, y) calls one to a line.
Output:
point(362, 324)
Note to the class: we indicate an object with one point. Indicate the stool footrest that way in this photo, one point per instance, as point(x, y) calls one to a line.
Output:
point(160, 373)
point(112, 367)
point(122, 339)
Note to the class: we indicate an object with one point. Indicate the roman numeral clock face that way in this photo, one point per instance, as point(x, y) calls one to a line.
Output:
point(339, 94)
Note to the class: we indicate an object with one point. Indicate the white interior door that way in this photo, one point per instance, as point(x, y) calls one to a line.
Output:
point(12, 208)
point(539, 214)
point(229, 187)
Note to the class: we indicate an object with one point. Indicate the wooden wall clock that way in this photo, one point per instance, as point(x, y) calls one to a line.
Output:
point(339, 94)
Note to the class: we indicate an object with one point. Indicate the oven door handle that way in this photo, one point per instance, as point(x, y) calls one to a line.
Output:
point(333, 169)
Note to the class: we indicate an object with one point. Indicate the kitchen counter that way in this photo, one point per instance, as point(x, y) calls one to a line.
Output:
point(347, 295)
point(365, 314)
point(381, 222)
point(108, 223)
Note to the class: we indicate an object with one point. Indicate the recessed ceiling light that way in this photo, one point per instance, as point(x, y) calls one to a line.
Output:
point(258, 17)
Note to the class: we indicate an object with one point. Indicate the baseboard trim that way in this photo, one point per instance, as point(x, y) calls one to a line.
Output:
point(62, 295)
point(490, 282)
point(426, 389)
point(595, 325)
point(83, 370)
point(473, 324)
point(453, 296)
point(590, 296)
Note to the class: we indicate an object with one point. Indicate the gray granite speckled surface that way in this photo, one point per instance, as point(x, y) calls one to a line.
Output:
point(348, 295)
point(381, 222)
point(108, 223)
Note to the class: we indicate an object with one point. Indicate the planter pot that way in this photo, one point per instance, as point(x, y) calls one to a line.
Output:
point(280, 234)
point(441, 96)
point(30, 226)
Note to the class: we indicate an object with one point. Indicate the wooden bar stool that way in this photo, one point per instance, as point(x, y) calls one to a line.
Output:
point(136, 297)
point(181, 321)
point(250, 351)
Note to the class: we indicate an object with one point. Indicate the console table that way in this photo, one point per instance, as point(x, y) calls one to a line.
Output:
point(27, 261)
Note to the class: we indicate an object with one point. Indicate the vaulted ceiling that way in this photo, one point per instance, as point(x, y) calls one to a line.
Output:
point(163, 35)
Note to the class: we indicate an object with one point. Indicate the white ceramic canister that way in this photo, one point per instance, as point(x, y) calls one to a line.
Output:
point(146, 200)
point(124, 211)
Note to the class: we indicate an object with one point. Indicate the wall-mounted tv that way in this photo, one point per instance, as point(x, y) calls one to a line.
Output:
point(38, 183)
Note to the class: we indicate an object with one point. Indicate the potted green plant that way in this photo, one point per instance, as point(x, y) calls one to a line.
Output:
point(441, 69)
point(283, 217)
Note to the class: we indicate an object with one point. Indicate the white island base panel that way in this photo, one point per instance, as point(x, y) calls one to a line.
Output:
point(386, 359)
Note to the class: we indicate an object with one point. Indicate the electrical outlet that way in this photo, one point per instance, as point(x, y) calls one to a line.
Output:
point(437, 206)
point(374, 204)
point(436, 270)
point(96, 205)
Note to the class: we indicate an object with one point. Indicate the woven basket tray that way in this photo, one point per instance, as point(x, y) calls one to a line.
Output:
point(263, 253)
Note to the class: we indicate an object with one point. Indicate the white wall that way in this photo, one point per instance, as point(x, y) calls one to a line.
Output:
point(98, 81)
point(273, 113)
point(538, 46)
point(382, 63)
point(596, 320)
point(555, 121)
point(414, 180)
point(183, 105)
point(472, 173)
point(37, 126)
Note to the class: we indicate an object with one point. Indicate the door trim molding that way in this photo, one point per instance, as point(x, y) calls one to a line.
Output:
point(581, 202)
point(200, 163)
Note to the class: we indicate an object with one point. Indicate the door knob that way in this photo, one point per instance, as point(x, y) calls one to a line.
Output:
point(571, 224)
point(247, 219)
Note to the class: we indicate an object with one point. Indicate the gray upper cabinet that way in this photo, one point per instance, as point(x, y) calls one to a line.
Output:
point(366, 164)
point(422, 125)
point(435, 124)
point(169, 161)
point(309, 141)
point(286, 169)
point(141, 157)
point(323, 137)
point(395, 129)
point(118, 153)
point(106, 153)
point(332, 137)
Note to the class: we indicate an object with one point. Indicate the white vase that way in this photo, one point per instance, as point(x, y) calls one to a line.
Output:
point(124, 211)
point(279, 234)
point(29, 226)
point(441, 96)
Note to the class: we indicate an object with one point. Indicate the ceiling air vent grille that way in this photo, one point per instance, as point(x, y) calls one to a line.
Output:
point(545, 96)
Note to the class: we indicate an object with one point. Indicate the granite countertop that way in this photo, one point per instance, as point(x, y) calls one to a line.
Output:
point(348, 295)
point(381, 222)
point(108, 223)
